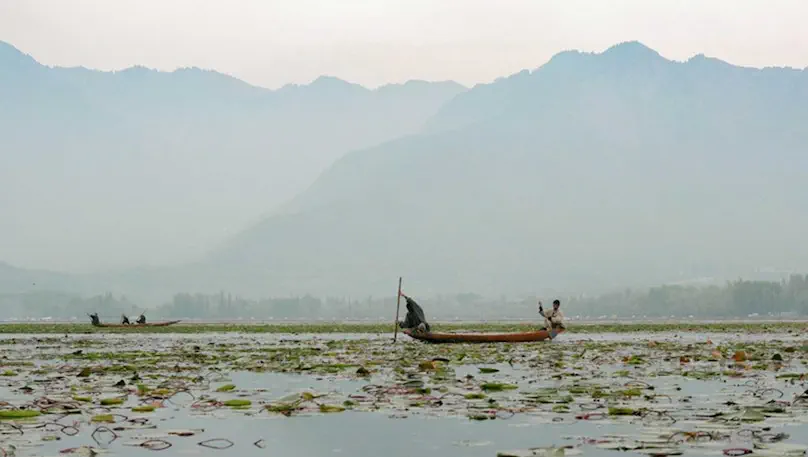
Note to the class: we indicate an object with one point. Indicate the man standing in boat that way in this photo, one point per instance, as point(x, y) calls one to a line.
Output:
point(553, 320)
point(415, 318)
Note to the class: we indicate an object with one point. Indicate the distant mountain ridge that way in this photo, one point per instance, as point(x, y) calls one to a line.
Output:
point(593, 171)
point(488, 101)
point(155, 167)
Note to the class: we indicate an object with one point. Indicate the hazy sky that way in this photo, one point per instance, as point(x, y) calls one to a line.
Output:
point(273, 42)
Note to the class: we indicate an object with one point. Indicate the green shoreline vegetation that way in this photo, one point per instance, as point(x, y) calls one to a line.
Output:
point(380, 328)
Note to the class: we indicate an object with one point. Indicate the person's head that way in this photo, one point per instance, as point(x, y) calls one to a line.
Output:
point(556, 304)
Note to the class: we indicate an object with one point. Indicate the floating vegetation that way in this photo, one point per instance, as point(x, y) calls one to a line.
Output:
point(669, 394)
point(103, 418)
point(18, 414)
point(237, 403)
point(497, 386)
point(144, 409)
point(331, 409)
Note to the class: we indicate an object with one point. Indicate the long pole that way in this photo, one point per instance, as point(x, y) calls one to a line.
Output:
point(398, 305)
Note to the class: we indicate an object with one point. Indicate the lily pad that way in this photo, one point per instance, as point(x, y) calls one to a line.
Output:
point(497, 386)
point(8, 414)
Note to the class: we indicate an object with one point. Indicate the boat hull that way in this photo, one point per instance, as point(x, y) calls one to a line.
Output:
point(523, 337)
point(152, 324)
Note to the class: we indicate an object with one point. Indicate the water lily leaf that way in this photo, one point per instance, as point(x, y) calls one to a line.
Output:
point(331, 409)
point(237, 403)
point(9, 414)
point(634, 360)
point(618, 411)
point(103, 418)
point(497, 386)
point(752, 415)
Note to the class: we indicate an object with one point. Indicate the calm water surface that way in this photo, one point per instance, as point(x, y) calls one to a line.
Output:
point(416, 432)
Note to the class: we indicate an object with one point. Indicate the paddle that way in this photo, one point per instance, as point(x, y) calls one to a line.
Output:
point(398, 305)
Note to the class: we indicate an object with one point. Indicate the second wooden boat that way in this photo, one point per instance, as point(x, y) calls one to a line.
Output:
point(148, 324)
point(521, 337)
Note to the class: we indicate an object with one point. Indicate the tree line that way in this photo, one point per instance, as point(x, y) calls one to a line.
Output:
point(737, 298)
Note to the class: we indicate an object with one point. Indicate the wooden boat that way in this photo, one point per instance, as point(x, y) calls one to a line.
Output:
point(148, 324)
point(522, 337)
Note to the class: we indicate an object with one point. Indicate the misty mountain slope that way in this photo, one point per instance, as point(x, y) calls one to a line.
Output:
point(16, 280)
point(138, 166)
point(594, 171)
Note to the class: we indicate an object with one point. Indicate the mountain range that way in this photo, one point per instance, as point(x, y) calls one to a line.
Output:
point(591, 172)
point(108, 169)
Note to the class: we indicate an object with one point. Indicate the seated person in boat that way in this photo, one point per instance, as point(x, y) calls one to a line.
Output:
point(141, 319)
point(124, 320)
point(415, 319)
point(94, 319)
point(553, 319)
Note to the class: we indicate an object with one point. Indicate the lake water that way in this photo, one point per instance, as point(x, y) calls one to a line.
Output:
point(393, 423)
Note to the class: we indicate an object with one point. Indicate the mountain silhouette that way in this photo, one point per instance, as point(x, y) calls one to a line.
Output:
point(106, 169)
point(594, 171)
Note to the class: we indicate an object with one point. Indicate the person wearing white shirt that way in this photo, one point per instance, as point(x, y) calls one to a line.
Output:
point(552, 319)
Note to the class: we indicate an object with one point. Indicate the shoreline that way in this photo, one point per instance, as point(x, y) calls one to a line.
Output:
point(759, 326)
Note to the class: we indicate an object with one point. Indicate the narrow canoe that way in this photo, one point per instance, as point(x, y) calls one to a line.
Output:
point(523, 337)
point(148, 324)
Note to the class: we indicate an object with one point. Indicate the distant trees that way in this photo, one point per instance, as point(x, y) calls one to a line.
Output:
point(225, 306)
point(734, 299)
